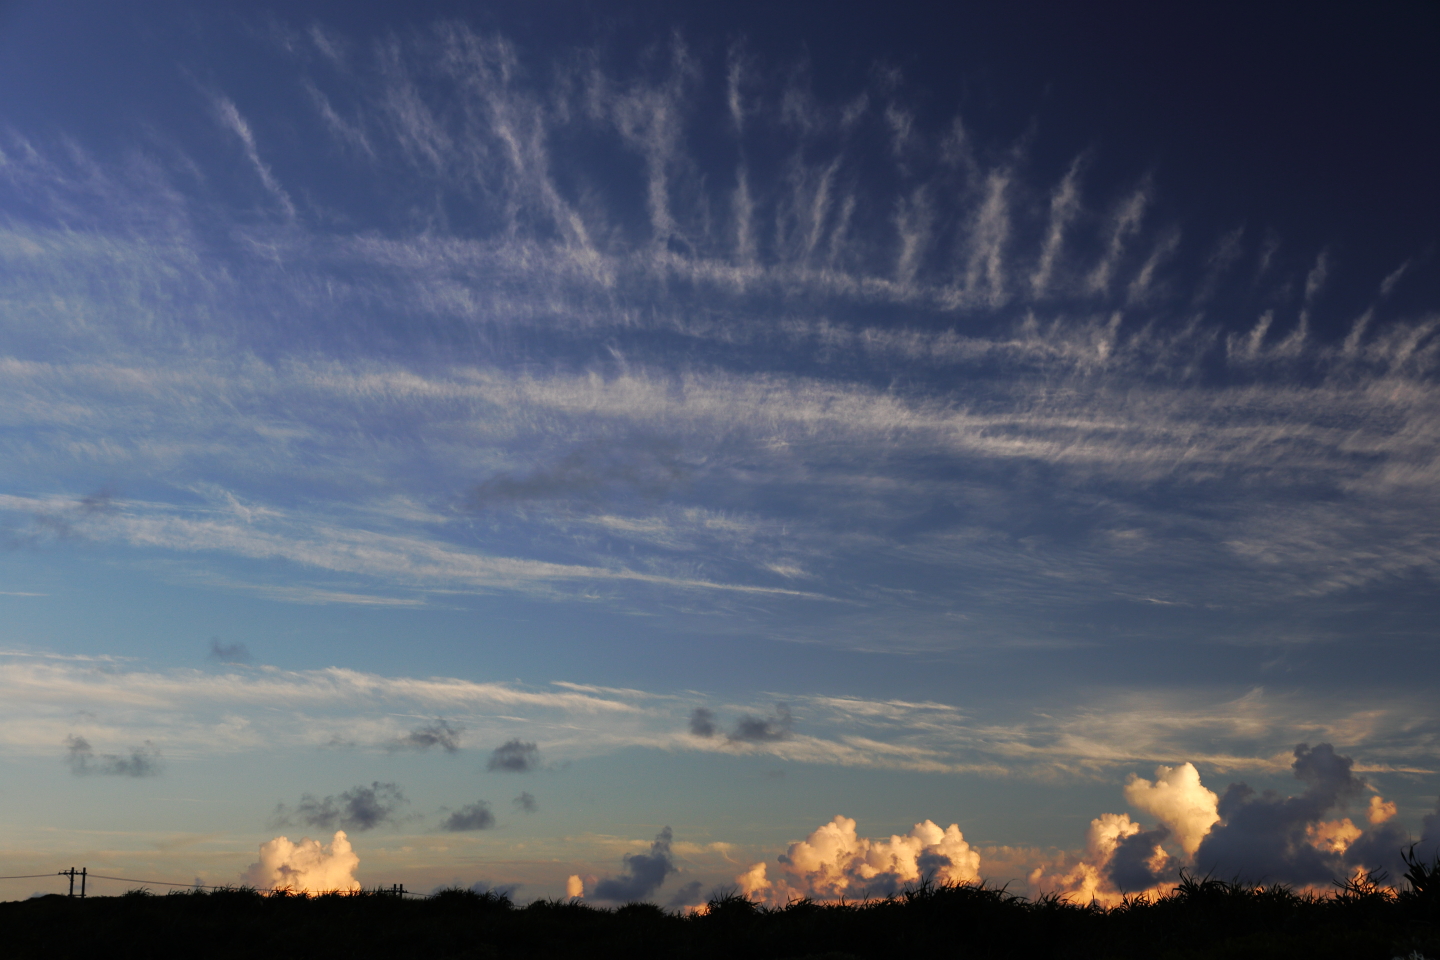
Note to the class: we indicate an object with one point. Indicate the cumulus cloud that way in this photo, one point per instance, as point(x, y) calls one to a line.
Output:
point(1256, 837)
point(84, 761)
point(1138, 862)
point(1178, 800)
point(228, 652)
point(438, 734)
point(702, 722)
point(359, 808)
point(644, 873)
point(1380, 809)
point(305, 866)
point(753, 729)
point(514, 756)
point(834, 862)
point(1119, 857)
point(1277, 839)
point(472, 816)
point(525, 803)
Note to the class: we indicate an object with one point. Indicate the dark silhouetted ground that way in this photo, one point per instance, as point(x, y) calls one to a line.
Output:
point(1199, 920)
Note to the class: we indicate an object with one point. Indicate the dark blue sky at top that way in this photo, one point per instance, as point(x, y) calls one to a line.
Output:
point(1322, 125)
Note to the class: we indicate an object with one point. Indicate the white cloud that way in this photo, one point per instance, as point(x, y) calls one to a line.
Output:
point(834, 862)
point(305, 867)
point(229, 117)
point(1179, 801)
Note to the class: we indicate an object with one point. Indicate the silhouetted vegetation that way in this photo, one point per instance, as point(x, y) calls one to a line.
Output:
point(1201, 918)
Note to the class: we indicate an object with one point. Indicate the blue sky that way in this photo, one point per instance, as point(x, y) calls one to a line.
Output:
point(750, 419)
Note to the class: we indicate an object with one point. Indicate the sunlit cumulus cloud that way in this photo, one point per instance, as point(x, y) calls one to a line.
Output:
point(834, 862)
point(1179, 801)
point(307, 866)
point(1257, 838)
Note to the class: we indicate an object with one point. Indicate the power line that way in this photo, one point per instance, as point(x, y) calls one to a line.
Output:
point(161, 883)
point(395, 889)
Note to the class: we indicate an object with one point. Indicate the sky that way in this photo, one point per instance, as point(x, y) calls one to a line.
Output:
point(631, 450)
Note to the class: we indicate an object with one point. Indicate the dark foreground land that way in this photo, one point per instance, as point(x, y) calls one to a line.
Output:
point(1200, 919)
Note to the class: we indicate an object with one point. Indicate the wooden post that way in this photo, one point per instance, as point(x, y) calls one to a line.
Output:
point(83, 872)
point(71, 874)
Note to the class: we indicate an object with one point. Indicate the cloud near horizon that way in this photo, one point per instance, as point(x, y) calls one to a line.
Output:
point(1255, 838)
point(201, 713)
point(307, 866)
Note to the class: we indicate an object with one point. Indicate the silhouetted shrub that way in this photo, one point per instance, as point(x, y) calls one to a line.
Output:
point(1200, 918)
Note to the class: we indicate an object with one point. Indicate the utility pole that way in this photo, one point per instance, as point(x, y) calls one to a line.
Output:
point(83, 872)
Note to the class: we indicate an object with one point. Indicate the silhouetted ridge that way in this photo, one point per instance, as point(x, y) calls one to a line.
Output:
point(1202, 917)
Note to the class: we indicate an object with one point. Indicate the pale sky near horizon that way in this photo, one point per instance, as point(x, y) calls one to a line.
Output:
point(505, 431)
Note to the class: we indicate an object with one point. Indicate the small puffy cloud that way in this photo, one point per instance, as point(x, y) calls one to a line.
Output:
point(525, 803)
point(752, 729)
point(472, 816)
point(438, 734)
point(1381, 810)
point(702, 722)
point(305, 866)
point(84, 761)
point(574, 886)
point(514, 756)
point(834, 862)
point(228, 652)
point(359, 808)
point(645, 872)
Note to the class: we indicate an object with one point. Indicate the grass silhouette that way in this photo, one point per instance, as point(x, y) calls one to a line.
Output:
point(1199, 919)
